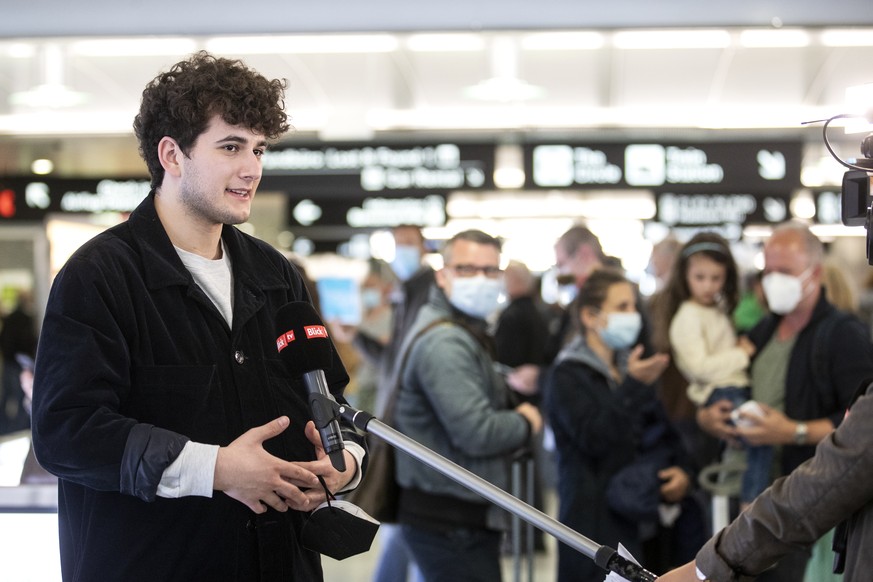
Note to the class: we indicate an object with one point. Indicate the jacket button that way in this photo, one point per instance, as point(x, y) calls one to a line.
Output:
point(239, 357)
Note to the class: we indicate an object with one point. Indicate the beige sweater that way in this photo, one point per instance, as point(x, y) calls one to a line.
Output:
point(705, 349)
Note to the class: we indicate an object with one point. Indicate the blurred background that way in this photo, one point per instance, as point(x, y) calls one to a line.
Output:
point(642, 120)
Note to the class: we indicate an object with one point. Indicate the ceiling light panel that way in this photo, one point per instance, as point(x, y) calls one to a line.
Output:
point(445, 43)
point(671, 39)
point(562, 41)
point(133, 47)
point(765, 38)
point(839, 37)
point(302, 44)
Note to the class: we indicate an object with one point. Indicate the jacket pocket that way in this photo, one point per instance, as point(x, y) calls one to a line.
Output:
point(177, 398)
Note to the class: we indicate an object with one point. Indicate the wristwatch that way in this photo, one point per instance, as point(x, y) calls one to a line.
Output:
point(800, 433)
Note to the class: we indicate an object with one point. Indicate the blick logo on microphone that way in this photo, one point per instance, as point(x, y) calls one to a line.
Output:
point(314, 331)
point(283, 340)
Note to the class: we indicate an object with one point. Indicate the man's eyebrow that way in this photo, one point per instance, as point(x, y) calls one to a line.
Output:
point(240, 140)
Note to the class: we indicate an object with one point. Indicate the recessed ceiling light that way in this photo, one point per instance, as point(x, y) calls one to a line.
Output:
point(49, 96)
point(504, 89)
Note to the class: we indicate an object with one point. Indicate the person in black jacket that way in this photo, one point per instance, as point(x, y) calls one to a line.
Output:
point(183, 447)
point(600, 399)
point(522, 331)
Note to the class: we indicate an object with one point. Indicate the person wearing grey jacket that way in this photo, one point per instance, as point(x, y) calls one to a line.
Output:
point(452, 401)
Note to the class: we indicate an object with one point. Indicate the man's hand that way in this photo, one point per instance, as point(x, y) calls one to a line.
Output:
point(334, 479)
point(246, 472)
point(532, 414)
point(715, 418)
point(771, 427)
point(646, 370)
point(686, 573)
point(676, 483)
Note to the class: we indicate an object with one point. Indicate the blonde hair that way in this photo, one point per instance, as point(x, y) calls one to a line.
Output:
point(838, 289)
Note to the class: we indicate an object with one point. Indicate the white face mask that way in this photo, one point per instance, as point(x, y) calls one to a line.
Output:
point(622, 330)
point(477, 296)
point(783, 292)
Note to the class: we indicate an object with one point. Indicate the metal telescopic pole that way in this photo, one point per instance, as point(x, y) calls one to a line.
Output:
point(603, 556)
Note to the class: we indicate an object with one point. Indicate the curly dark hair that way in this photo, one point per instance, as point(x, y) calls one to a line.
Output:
point(180, 102)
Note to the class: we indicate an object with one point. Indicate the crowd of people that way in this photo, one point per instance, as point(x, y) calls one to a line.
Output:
point(722, 366)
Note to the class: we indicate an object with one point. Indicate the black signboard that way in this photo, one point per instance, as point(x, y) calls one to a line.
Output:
point(367, 186)
point(722, 167)
point(358, 171)
point(23, 198)
point(708, 209)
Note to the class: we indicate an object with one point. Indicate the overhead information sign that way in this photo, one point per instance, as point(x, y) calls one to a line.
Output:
point(32, 198)
point(369, 169)
point(703, 167)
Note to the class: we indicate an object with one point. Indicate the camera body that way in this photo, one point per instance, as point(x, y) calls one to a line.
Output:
point(856, 199)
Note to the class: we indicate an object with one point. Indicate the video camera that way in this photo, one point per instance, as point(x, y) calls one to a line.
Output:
point(856, 199)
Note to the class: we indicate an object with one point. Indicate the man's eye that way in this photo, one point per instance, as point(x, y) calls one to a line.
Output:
point(259, 152)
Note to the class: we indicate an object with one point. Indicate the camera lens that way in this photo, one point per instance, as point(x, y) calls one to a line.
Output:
point(867, 146)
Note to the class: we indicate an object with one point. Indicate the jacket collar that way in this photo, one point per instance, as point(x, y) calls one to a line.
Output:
point(579, 351)
point(163, 267)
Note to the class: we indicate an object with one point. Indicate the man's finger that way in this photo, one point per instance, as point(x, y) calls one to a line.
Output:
point(269, 430)
point(313, 435)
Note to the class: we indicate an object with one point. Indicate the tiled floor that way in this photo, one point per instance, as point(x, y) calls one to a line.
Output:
point(360, 568)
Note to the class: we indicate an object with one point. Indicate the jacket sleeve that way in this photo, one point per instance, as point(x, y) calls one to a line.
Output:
point(82, 371)
point(799, 508)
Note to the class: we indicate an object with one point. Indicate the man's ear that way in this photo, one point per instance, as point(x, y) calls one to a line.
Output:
point(169, 153)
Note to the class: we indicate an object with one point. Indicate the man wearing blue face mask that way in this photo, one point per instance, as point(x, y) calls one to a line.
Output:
point(810, 360)
point(452, 401)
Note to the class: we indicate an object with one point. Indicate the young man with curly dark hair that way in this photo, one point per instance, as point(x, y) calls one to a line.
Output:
point(184, 450)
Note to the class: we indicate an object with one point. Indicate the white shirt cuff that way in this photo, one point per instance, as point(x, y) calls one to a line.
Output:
point(192, 473)
point(357, 451)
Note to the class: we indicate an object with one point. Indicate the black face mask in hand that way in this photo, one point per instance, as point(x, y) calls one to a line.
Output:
point(338, 529)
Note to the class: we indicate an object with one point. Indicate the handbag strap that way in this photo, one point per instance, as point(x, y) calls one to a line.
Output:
point(388, 413)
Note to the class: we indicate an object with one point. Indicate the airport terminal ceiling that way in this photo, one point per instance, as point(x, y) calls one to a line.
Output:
point(492, 71)
point(113, 17)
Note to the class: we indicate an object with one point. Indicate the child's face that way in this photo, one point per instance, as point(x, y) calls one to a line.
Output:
point(705, 279)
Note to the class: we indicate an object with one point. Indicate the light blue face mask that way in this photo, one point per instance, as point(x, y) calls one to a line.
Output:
point(476, 296)
point(407, 260)
point(622, 330)
point(370, 298)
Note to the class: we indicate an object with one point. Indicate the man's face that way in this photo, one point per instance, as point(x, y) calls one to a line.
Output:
point(785, 253)
point(468, 259)
point(408, 236)
point(578, 263)
point(220, 175)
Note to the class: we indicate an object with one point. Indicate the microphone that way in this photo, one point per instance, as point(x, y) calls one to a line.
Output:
point(304, 346)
